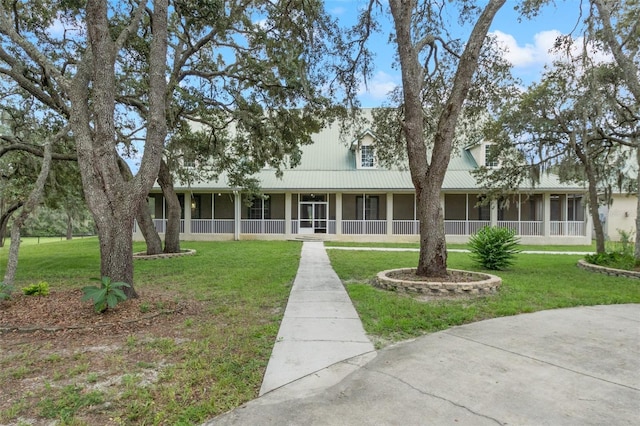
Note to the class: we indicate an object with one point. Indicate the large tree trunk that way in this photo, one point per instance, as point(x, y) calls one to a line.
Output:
point(32, 202)
point(4, 220)
point(148, 229)
point(69, 227)
point(592, 182)
point(637, 248)
point(428, 176)
point(143, 216)
point(172, 233)
point(112, 199)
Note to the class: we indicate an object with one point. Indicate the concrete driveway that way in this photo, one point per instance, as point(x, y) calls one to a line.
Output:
point(578, 366)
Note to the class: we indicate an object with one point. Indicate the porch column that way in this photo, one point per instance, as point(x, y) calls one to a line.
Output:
point(187, 213)
point(237, 215)
point(493, 211)
point(287, 213)
point(338, 213)
point(389, 213)
point(546, 215)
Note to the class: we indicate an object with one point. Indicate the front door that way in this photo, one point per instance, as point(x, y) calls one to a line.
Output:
point(313, 217)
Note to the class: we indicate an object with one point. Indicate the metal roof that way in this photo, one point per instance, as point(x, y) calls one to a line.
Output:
point(329, 164)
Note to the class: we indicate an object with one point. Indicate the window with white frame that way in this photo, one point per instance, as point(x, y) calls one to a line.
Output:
point(490, 156)
point(367, 156)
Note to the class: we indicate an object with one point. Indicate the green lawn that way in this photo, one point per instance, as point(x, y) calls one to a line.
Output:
point(578, 248)
point(206, 364)
point(211, 362)
point(535, 282)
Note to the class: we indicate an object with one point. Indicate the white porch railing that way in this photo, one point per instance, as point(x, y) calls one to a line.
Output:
point(212, 226)
point(366, 227)
point(260, 226)
point(406, 227)
point(464, 227)
point(161, 225)
point(527, 228)
point(568, 228)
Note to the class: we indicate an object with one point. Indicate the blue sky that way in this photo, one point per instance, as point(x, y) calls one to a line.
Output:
point(527, 43)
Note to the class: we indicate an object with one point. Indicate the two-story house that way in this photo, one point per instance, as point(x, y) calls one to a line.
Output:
point(339, 192)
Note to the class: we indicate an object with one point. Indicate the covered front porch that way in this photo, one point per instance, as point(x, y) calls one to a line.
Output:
point(538, 218)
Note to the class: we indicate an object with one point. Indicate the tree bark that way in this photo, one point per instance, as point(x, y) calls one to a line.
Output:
point(32, 202)
point(148, 229)
point(427, 177)
point(109, 196)
point(637, 247)
point(69, 227)
point(4, 220)
point(172, 233)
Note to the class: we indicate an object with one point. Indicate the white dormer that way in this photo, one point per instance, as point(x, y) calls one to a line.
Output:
point(481, 152)
point(364, 148)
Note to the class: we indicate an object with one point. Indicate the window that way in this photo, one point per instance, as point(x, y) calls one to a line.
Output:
point(258, 206)
point(367, 156)
point(490, 156)
point(370, 209)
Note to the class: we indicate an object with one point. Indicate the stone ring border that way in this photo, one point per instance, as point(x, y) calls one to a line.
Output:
point(143, 256)
point(583, 264)
point(486, 284)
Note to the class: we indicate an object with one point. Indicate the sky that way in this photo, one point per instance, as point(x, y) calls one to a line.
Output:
point(526, 43)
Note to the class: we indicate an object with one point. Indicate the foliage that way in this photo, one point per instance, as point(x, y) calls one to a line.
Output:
point(107, 295)
point(47, 222)
point(37, 289)
point(494, 247)
point(622, 259)
point(5, 291)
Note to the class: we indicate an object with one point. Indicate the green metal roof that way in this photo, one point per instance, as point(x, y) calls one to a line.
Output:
point(329, 164)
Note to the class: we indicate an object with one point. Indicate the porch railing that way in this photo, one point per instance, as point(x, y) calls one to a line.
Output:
point(527, 228)
point(212, 226)
point(366, 227)
point(568, 228)
point(406, 227)
point(161, 225)
point(262, 226)
point(464, 227)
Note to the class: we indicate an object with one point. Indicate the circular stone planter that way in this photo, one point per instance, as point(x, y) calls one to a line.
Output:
point(607, 271)
point(473, 284)
point(144, 256)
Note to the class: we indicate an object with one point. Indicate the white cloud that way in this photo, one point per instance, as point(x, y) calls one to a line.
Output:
point(528, 55)
point(379, 86)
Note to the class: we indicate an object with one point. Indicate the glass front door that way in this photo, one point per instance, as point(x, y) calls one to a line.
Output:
point(313, 217)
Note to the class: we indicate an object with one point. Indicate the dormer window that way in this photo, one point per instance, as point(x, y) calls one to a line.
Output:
point(490, 156)
point(367, 157)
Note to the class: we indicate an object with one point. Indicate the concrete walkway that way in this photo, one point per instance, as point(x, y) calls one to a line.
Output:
point(320, 327)
point(580, 253)
point(578, 366)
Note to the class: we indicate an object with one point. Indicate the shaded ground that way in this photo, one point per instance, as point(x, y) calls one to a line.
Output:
point(61, 360)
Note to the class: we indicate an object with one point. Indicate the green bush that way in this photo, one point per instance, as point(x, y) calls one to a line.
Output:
point(613, 259)
point(108, 295)
point(5, 291)
point(38, 289)
point(494, 247)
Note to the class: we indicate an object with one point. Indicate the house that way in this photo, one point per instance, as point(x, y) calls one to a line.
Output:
point(340, 192)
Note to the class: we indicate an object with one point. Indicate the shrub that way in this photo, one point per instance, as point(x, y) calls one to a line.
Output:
point(494, 247)
point(38, 289)
point(5, 291)
point(613, 259)
point(108, 295)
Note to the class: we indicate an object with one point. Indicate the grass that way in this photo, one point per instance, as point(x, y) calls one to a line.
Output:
point(527, 247)
point(216, 364)
point(534, 283)
point(219, 359)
